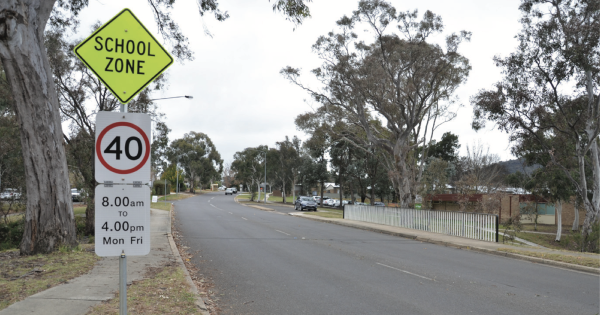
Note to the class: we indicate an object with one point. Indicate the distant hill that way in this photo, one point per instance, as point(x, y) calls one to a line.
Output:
point(513, 166)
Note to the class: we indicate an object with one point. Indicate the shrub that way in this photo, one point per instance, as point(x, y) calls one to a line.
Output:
point(11, 234)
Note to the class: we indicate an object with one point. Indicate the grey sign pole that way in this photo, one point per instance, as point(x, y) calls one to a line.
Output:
point(123, 284)
point(123, 266)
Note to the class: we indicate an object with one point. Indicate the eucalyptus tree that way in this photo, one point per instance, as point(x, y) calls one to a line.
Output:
point(11, 159)
point(391, 89)
point(284, 163)
point(198, 156)
point(550, 90)
point(249, 168)
point(50, 220)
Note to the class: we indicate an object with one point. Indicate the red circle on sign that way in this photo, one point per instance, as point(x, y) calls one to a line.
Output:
point(116, 170)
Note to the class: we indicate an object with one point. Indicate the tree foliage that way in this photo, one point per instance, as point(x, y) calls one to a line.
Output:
point(550, 91)
point(198, 156)
point(390, 92)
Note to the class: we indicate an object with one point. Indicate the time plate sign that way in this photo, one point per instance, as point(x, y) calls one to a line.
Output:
point(122, 220)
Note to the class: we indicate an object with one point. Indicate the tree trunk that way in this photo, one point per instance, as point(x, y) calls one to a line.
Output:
point(283, 191)
point(49, 221)
point(341, 194)
point(576, 218)
point(558, 208)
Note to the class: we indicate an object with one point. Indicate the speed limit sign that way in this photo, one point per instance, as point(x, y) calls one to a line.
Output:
point(122, 147)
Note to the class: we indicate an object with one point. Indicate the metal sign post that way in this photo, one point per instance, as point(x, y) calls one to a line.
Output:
point(125, 56)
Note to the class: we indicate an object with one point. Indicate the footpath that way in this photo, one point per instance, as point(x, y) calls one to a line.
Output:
point(78, 295)
point(453, 241)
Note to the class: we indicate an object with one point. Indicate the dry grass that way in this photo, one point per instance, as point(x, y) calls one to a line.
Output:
point(572, 259)
point(22, 276)
point(161, 205)
point(334, 214)
point(164, 291)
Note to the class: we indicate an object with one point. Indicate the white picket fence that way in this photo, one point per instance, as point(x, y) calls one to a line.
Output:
point(477, 226)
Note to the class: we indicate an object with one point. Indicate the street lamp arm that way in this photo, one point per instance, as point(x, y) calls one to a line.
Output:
point(165, 98)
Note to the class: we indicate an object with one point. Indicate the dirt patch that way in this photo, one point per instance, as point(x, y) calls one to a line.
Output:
point(23, 276)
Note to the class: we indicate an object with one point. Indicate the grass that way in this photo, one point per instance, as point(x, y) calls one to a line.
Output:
point(540, 228)
point(572, 259)
point(161, 205)
point(79, 211)
point(16, 207)
point(23, 276)
point(164, 291)
point(334, 214)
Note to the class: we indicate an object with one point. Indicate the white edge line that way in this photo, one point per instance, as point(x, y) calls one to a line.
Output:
point(283, 233)
point(244, 218)
point(410, 273)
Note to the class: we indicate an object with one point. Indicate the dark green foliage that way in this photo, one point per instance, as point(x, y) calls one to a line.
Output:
point(80, 226)
point(589, 242)
point(11, 234)
point(446, 149)
point(158, 187)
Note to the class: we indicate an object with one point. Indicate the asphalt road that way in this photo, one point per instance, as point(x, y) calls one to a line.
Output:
point(265, 262)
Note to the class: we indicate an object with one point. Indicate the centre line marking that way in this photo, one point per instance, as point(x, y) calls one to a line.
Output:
point(230, 213)
point(410, 273)
point(283, 233)
point(244, 218)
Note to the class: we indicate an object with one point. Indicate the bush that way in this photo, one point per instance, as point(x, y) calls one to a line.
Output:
point(11, 234)
point(80, 226)
point(591, 243)
point(158, 187)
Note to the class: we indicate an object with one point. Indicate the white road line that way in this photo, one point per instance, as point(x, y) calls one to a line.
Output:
point(215, 207)
point(212, 198)
point(410, 273)
point(244, 218)
point(230, 213)
point(283, 232)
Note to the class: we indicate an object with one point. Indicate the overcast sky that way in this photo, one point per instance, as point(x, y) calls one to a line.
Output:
point(241, 100)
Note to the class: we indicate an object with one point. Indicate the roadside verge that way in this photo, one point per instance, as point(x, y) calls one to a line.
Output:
point(451, 241)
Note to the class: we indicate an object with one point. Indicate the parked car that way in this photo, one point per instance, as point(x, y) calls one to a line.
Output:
point(304, 202)
point(10, 193)
point(328, 202)
point(234, 190)
point(318, 200)
point(75, 194)
point(378, 204)
point(229, 191)
point(334, 203)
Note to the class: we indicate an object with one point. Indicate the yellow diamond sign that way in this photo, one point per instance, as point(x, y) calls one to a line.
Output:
point(124, 55)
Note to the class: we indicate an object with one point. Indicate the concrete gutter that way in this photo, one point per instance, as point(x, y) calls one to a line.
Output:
point(476, 246)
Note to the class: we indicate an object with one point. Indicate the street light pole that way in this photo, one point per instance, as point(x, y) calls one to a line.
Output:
point(265, 177)
point(166, 98)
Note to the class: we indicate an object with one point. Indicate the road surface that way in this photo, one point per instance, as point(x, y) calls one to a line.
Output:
point(264, 262)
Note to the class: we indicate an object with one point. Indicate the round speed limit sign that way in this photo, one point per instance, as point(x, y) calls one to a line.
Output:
point(122, 147)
